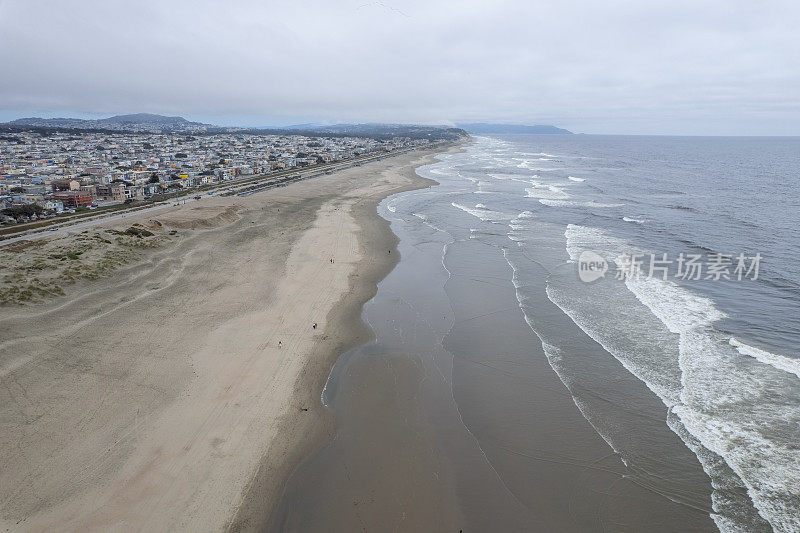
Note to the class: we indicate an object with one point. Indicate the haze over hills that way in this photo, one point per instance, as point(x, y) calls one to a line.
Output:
point(136, 118)
point(483, 128)
point(149, 118)
point(368, 128)
point(151, 123)
point(145, 122)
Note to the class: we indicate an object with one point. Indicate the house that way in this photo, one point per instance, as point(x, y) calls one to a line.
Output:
point(65, 185)
point(53, 205)
point(74, 198)
point(134, 192)
point(151, 188)
point(114, 192)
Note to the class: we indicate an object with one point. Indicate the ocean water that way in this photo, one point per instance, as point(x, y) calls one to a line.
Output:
point(720, 354)
point(501, 392)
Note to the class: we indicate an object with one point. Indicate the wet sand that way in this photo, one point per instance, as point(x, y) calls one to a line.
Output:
point(158, 397)
point(453, 419)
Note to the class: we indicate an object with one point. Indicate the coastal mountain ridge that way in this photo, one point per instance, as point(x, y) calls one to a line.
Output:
point(150, 122)
point(363, 128)
point(132, 119)
point(145, 118)
point(159, 124)
point(484, 128)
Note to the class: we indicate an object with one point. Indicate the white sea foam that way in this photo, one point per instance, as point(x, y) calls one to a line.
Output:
point(725, 399)
point(726, 404)
point(536, 164)
point(769, 470)
point(634, 220)
point(677, 308)
point(482, 213)
point(732, 407)
point(574, 203)
point(518, 225)
point(510, 177)
point(781, 362)
point(580, 238)
point(573, 178)
point(426, 220)
point(545, 191)
point(530, 163)
point(526, 155)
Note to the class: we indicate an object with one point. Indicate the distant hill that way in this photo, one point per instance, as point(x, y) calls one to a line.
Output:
point(373, 130)
point(149, 118)
point(304, 126)
point(149, 123)
point(483, 128)
point(146, 122)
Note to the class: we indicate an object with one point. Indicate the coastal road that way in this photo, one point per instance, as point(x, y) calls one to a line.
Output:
point(58, 229)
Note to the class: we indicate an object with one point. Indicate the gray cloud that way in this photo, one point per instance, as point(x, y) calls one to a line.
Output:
point(617, 66)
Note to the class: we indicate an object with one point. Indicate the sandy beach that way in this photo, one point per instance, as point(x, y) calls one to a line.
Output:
point(169, 378)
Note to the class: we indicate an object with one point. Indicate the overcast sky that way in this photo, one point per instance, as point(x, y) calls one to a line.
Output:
point(636, 66)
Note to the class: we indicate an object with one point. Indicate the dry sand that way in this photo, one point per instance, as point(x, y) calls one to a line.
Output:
point(178, 389)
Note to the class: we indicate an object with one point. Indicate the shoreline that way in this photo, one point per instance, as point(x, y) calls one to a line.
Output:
point(262, 494)
point(457, 416)
point(188, 415)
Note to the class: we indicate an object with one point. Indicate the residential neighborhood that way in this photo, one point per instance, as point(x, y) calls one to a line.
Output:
point(45, 173)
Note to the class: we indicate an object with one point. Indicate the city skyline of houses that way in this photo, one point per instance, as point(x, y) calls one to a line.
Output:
point(59, 171)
